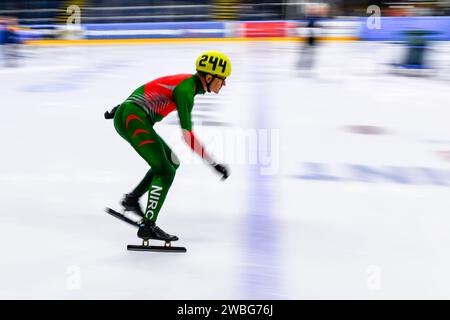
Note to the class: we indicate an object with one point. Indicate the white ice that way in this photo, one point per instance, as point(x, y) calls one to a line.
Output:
point(262, 234)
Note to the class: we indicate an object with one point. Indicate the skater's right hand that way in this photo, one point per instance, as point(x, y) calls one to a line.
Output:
point(222, 169)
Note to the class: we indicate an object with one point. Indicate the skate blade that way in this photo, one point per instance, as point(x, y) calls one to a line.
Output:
point(122, 217)
point(131, 247)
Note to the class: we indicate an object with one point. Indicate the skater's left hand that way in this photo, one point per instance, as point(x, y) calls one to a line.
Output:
point(223, 170)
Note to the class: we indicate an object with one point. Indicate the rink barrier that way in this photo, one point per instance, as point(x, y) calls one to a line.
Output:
point(186, 32)
point(174, 41)
point(181, 32)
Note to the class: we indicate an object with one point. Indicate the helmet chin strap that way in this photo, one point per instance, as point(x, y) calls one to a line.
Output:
point(208, 84)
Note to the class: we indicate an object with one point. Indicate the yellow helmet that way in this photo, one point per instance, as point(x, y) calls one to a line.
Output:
point(215, 63)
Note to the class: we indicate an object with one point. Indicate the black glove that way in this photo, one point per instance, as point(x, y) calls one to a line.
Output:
point(223, 170)
point(110, 114)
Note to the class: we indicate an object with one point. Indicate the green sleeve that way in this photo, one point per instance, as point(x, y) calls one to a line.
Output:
point(184, 99)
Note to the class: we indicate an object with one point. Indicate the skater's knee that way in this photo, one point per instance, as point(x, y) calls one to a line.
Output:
point(174, 160)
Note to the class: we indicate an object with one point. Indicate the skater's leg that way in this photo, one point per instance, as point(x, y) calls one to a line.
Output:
point(120, 124)
point(132, 124)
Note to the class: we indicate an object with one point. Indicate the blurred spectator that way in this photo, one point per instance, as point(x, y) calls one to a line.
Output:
point(311, 31)
point(9, 41)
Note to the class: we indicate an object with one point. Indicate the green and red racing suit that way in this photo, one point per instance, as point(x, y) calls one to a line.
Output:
point(134, 120)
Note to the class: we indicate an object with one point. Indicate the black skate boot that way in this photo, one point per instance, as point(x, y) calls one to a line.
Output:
point(149, 230)
point(131, 203)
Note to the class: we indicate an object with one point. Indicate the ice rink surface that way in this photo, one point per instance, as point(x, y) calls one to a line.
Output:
point(339, 186)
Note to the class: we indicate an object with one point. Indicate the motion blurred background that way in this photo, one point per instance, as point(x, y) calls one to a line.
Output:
point(334, 123)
